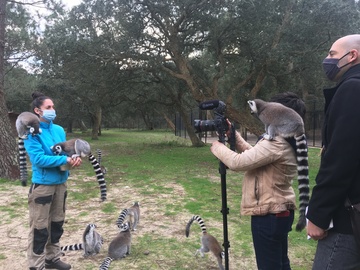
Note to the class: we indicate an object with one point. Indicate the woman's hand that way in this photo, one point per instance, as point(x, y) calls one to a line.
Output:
point(74, 162)
point(228, 132)
point(215, 145)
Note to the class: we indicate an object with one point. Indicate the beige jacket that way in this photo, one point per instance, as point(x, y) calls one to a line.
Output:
point(269, 166)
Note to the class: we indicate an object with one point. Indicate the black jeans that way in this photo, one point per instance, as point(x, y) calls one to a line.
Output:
point(270, 238)
point(337, 251)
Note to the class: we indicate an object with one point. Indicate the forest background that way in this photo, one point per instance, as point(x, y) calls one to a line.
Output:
point(136, 63)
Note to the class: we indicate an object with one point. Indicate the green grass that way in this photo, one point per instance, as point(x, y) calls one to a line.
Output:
point(172, 181)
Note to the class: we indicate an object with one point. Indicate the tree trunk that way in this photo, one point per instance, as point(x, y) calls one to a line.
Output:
point(82, 125)
point(9, 165)
point(147, 120)
point(167, 119)
point(170, 123)
point(13, 116)
point(96, 123)
point(195, 140)
point(69, 128)
point(251, 123)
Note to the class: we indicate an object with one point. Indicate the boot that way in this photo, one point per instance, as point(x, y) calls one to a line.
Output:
point(56, 264)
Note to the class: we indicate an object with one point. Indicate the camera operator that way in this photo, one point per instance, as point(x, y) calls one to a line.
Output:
point(267, 194)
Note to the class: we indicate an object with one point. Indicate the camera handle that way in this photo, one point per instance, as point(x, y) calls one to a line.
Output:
point(225, 209)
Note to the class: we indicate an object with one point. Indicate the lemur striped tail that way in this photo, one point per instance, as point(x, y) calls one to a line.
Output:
point(303, 178)
point(22, 162)
point(73, 247)
point(106, 263)
point(199, 220)
point(99, 154)
point(99, 176)
point(122, 217)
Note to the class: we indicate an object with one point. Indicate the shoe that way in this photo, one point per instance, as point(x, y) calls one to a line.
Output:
point(57, 264)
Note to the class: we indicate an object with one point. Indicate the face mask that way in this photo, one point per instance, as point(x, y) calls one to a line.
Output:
point(49, 115)
point(331, 68)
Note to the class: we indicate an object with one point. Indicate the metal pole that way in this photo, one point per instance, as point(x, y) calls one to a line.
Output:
point(225, 212)
point(225, 209)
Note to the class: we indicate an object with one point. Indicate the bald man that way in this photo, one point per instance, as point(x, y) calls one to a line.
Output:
point(339, 173)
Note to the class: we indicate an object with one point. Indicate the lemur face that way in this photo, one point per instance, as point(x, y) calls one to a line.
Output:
point(57, 149)
point(252, 105)
point(124, 227)
point(35, 130)
point(222, 255)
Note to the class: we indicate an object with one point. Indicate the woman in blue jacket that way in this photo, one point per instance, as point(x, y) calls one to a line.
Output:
point(47, 194)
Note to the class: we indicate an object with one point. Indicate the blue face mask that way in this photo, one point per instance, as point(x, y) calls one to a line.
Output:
point(331, 68)
point(49, 115)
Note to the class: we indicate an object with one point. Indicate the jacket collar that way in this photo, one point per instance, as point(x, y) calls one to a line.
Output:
point(46, 125)
point(351, 72)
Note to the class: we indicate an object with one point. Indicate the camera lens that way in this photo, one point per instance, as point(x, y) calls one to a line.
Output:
point(204, 125)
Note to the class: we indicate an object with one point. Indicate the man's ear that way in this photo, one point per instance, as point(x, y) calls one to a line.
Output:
point(354, 56)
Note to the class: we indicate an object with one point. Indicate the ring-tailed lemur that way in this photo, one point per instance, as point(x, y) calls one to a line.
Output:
point(122, 217)
point(99, 176)
point(91, 242)
point(81, 148)
point(133, 214)
point(285, 122)
point(103, 168)
point(26, 123)
point(119, 247)
point(22, 162)
point(73, 247)
point(208, 242)
point(72, 148)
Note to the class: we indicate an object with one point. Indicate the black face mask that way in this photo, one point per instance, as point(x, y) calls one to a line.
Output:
point(331, 68)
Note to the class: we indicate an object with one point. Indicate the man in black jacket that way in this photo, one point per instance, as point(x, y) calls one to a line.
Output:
point(339, 173)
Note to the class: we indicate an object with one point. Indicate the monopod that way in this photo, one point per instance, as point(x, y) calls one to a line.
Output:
point(220, 125)
point(225, 209)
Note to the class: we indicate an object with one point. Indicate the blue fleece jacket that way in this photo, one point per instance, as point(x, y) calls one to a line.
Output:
point(45, 165)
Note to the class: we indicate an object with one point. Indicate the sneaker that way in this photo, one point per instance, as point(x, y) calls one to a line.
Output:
point(57, 264)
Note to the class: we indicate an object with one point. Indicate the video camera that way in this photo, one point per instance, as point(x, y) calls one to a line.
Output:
point(219, 124)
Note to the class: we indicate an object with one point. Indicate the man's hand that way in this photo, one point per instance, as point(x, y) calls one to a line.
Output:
point(315, 232)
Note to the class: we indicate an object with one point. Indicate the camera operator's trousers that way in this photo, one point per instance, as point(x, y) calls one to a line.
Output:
point(46, 219)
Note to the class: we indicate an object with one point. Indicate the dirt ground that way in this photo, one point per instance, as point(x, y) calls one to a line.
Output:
point(14, 227)
point(13, 232)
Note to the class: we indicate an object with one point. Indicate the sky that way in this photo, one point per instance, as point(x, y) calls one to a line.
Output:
point(70, 3)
